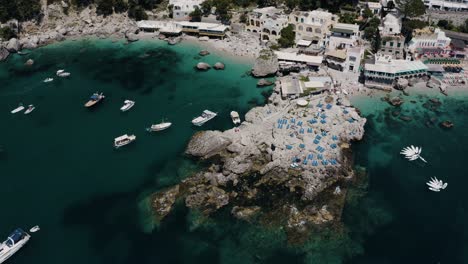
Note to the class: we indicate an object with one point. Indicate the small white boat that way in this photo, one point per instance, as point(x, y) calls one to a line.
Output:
point(159, 127)
point(34, 229)
point(344, 91)
point(127, 105)
point(123, 140)
point(235, 117)
point(412, 153)
point(30, 109)
point(436, 185)
point(13, 243)
point(206, 116)
point(48, 80)
point(18, 109)
point(64, 74)
point(59, 72)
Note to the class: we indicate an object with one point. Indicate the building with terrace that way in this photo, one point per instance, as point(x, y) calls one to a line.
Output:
point(343, 36)
point(429, 41)
point(181, 9)
point(268, 22)
point(312, 28)
point(447, 5)
point(393, 42)
point(385, 71)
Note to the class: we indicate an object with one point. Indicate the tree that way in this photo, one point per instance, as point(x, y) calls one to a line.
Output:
point(265, 3)
point(411, 8)
point(104, 7)
point(287, 37)
point(374, 22)
point(349, 18)
point(7, 33)
point(409, 25)
point(137, 12)
point(464, 27)
point(367, 13)
point(120, 6)
point(376, 41)
point(291, 4)
point(196, 15)
point(206, 7)
point(390, 5)
point(445, 24)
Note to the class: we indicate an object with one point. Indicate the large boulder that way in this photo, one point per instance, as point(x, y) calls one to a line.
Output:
point(207, 143)
point(266, 64)
point(401, 84)
point(13, 45)
point(219, 66)
point(4, 53)
point(131, 37)
point(203, 66)
point(264, 82)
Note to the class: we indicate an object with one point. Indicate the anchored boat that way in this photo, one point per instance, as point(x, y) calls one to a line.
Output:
point(235, 117)
point(206, 116)
point(18, 109)
point(159, 127)
point(123, 140)
point(30, 109)
point(13, 243)
point(95, 98)
point(436, 185)
point(127, 105)
point(46, 80)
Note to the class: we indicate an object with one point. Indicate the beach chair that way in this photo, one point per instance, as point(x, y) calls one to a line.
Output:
point(301, 145)
point(289, 147)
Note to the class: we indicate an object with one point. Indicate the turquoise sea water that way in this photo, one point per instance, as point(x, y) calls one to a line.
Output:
point(58, 168)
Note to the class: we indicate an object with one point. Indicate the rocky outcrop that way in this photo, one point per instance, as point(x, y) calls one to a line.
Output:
point(264, 82)
point(162, 202)
point(13, 45)
point(203, 66)
point(245, 213)
point(206, 144)
point(206, 198)
point(395, 101)
point(29, 62)
point(131, 37)
point(203, 53)
point(446, 124)
point(266, 64)
point(4, 53)
point(401, 84)
point(219, 66)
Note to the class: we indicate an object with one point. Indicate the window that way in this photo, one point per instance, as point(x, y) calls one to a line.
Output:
point(297, 19)
point(352, 58)
point(384, 43)
point(302, 20)
point(391, 29)
point(399, 44)
point(301, 28)
point(317, 30)
point(309, 29)
point(391, 43)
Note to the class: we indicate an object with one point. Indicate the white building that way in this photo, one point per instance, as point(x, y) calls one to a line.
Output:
point(176, 28)
point(343, 36)
point(447, 5)
point(429, 41)
point(375, 7)
point(268, 21)
point(345, 60)
point(181, 9)
point(390, 25)
point(385, 71)
point(312, 28)
point(393, 42)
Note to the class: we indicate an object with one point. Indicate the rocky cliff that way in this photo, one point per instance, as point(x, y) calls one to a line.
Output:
point(266, 64)
point(57, 25)
point(282, 165)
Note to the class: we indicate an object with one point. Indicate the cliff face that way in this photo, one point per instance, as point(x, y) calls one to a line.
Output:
point(266, 170)
point(57, 25)
point(266, 64)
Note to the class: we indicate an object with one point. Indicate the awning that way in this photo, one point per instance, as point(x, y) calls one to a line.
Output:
point(305, 43)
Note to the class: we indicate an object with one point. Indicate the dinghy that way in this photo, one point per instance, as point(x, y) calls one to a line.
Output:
point(127, 105)
point(48, 80)
point(30, 109)
point(159, 127)
point(235, 117)
point(412, 153)
point(436, 185)
point(34, 229)
point(18, 109)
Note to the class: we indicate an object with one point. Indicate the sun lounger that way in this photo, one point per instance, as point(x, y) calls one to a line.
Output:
point(301, 145)
point(289, 147)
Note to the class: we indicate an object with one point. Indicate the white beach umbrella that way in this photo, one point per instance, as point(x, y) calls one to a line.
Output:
point(412, 153)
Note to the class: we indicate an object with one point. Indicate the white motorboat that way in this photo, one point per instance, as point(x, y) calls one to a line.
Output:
point(13, 243)
point(59, 71)
point(64, 74)
point(30, 109)
point(18, 109)
point(436, 185)
point(206, 116)
point(159, 127)
point(34, 229)
point(123, 140)
point(46, 80)
point(127, 105)
point(235, 117)
point(95, 98)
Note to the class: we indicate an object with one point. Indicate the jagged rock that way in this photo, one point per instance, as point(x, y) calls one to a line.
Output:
point(162, 202)
point(264, 82)
point(396, 101)
point(446, 124)
point(173, 41)
point(203, 66)
point(131, 37)
point(234, 148)
point(237, 166)
point(401, 84)
point(204, 53)
point(219, 66)
point(4, 53)
point(206, 198)
point(406, 118)
point(29, 62)
point(205, 144)
point(245, 213)
point(13, 45)
point(413, 81)
point(266, 64)
point(205, 38)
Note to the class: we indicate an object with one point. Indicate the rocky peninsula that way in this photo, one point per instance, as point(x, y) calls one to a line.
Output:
point(286, 165)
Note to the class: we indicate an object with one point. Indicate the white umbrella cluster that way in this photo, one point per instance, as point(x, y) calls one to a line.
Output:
point(412, 153)
point(436, 185)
